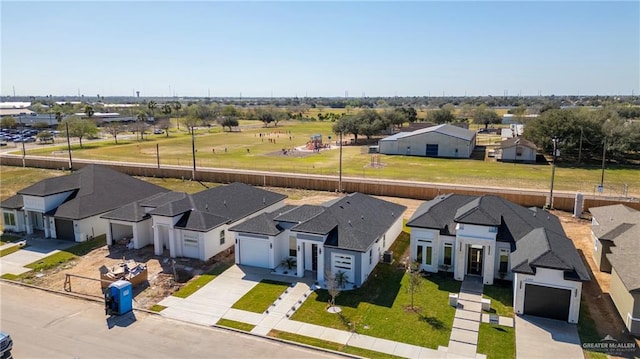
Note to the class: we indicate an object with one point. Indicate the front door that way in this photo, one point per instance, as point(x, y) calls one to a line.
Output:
point(474, 263)
point(314, 257)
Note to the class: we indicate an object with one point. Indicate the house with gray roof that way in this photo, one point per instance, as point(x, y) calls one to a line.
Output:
point(490, 237)
point(193, 225)
point(348, 235)
point(517, 149)
point(435, 141)
point(616, 248)
point(70, 207)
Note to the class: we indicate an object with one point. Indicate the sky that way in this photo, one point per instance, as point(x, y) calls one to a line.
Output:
point(330, 48)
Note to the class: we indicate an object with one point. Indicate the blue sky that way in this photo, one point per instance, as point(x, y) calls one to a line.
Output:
point(320, 48)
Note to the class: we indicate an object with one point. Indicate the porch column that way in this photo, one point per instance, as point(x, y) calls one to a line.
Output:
point(157, 242)
point(29, 223)
point(320, 271)
point(488, 264)
point(172, 243)
point(47, 226)
point(109, 234)
point(134, 237)
point(300, 258)
point(461, 260)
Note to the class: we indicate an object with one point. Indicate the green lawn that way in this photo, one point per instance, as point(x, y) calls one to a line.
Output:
point(497, 342)
point(68, 254)
point(201, 281)
point(176, 150)
point(330, 345)
point(588, 332)
point(9, 250)
point(236, 325)
point(260, 297)
point(157, 308)
point(501, 295)
point(381, 307)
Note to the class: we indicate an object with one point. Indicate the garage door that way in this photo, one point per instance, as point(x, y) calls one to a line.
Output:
point(432, 150)
point(64, 230)
point(254, 252)
point(547, 302)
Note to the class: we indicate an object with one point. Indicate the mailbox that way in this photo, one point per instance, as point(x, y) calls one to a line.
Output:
point(118, 299)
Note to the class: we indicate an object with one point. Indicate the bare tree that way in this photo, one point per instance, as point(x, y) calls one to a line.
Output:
point(114, 128)
point(415, 280)
point(332, 287)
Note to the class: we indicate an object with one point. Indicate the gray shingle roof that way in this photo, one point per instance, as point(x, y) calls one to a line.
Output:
point(135, 211)
point(265, 224)
point(529, 231)
point(210, 208)
point(514, 141)
point(354, 222)
point(13, 202)
point(627, 266)
point(96, 190)
point(300, 214)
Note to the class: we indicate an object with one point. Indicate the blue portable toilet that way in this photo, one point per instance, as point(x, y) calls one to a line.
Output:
point(119, 298)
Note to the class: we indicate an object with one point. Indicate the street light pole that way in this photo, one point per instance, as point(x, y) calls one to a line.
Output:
point(553, 170)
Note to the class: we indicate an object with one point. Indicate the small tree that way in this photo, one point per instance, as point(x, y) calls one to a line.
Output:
point(8, 122)
point(332, 287)
point(414, 280)
point(114, 128)
point(81, 127)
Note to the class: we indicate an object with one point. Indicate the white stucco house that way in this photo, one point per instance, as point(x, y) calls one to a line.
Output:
point(70, 207)
point(435, 141)
point(490, 237)
point(348, 235)
point(191, 225)
point(517, 149)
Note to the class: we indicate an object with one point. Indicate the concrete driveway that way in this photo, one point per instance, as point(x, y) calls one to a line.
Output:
point(546, 338)
point(35, 250)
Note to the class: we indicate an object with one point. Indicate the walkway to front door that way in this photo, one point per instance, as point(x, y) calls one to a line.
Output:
point(466, 323)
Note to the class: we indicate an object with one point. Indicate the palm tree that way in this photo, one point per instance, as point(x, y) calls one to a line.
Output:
point(88, 110)
point(152, 107)
point(58, 116)
point(166, 109)
point(177, 106)
point(142, 119)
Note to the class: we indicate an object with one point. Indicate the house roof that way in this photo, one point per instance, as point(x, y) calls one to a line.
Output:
point(354, 222)
point(621, 225)
point(266, 223)
point(300, 214)
point(210, 208)
point(13, 202)
point(134, 211)
point(94, 190)
point(444, 129)
point(529, 231)
point(517, 141)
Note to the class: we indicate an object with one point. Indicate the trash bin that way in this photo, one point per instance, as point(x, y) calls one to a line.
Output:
point(118, 298)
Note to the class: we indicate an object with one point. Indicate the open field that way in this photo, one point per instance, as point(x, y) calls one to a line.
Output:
point(260, 148)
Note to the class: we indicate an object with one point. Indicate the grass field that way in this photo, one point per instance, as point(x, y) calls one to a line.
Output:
point(260, 297)
point(249, 150)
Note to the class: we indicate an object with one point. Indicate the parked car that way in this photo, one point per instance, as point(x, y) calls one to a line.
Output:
point(158, 131)
point(6, 344)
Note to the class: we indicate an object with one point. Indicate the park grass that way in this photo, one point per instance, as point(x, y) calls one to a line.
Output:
point(501, 295)
point(157, 308)
point(497, 342)
point(319, 343)
point(68, 254)
point(13, 179)
point(235, 325)
point(9, 250)
point(261, 296)
point(381, 307)
point(201, 280)
point(265, 155)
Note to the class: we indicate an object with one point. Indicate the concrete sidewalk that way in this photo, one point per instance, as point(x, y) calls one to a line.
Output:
point(35, 250)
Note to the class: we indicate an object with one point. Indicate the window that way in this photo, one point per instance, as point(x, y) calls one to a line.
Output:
point(448, 254)
point(493, 230)
point(384, 241)
point(222, 237)
point(292, 246)
point(370, 256)
point(429, 252)
point(190, 242)
point(9, 219)
point(419, 254)
point(504, 260)
point(518, 151)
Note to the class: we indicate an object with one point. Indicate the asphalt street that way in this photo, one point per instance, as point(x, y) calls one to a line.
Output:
point(47, 325)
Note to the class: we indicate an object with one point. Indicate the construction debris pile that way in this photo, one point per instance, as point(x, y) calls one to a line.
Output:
point(128, 270)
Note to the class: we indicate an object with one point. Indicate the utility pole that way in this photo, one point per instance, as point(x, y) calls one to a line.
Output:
point(553, 170)
point(193, 153)
point(340, 178)
point(158, 153)
point(604, 153)
point(69, 146)
point(580, 150)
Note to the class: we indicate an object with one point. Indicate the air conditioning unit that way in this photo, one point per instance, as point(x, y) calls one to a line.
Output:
point(387, 257)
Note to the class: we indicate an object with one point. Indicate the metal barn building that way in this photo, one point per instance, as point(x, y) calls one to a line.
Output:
point(436, 141)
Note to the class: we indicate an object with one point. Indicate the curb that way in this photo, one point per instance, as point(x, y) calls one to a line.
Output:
point(100, 300)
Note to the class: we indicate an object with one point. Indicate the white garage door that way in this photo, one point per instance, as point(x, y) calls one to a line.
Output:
point(190, 246)
point(343, 263)
point(254, 252)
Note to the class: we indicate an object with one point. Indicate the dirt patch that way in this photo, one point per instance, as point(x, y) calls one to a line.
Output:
point(161, 280)
point(595, 292)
